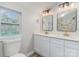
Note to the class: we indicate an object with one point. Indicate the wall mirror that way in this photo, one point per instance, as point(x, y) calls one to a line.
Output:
point(47, 23)
point(67, 20)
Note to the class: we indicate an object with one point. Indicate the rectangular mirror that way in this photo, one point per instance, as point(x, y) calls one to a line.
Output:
point(47, 23)
point(67, 20)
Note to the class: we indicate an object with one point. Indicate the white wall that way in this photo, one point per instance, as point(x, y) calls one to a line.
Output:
point(27, 29)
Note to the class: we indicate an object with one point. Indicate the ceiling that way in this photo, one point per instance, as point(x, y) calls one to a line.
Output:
point(37, 5)
point(32, 6)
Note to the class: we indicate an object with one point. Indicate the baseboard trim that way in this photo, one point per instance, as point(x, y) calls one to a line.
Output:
point(30, 53)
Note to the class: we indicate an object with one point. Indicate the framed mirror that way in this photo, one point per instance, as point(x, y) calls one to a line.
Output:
point(67, 20)
point(47, 23)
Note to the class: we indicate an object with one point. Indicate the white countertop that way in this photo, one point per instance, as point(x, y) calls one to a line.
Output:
point(56, 35)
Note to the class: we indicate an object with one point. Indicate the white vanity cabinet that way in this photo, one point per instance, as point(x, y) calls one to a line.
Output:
point(41, 45)
point(56, 47)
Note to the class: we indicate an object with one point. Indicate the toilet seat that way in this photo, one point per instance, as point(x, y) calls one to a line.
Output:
point(19, 55)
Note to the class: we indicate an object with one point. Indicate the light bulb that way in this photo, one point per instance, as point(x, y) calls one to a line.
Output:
point(50, 13)
point(72, 5)
point(59, 8)
point(66, 7)
point(43, 14)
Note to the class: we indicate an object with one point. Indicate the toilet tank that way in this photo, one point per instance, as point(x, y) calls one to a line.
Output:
point(11, 46)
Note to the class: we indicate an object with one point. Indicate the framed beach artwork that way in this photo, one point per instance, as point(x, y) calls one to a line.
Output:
point(9, 21)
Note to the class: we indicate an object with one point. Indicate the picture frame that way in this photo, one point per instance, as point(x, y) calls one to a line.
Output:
point(9, 21)
point(47, 23)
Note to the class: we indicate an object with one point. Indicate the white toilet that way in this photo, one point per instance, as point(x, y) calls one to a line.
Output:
point(11, 48)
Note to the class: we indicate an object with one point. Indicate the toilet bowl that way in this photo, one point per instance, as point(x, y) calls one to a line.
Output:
point(12, 47)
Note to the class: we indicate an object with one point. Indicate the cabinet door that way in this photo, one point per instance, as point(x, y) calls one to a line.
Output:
point(69, 52)
point(71, 49)
point(41, 45)
point(57, 49)
point(37, 43)
point(44, 46)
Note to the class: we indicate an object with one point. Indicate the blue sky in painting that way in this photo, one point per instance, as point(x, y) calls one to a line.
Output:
point(12, 15)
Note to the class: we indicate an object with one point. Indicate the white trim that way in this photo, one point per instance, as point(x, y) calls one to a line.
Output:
point(30, 53)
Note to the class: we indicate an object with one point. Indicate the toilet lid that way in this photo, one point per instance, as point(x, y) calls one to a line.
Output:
point(19, 55)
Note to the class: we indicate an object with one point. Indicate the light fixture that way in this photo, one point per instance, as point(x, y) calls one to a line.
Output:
point(64, 6)
point(46, 12)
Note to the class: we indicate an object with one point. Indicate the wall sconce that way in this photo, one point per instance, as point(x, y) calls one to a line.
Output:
point(46, 12)
point(64, 6)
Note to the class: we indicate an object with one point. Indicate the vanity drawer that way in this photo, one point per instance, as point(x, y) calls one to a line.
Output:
point(56, 50)
point(57, 41)
point(72, 44)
